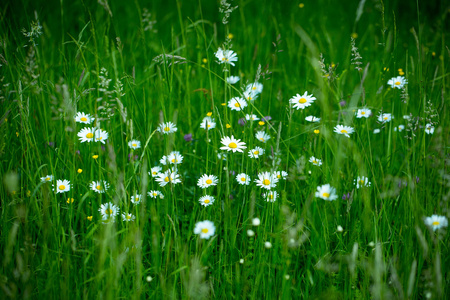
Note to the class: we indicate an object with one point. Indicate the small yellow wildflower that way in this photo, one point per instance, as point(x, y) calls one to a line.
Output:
point(209, 114)
point(230, 36)
point(69, 200)
point(95, 156)
point(354, 35)
point(261, 123)
point(228, 126)
point(204, 60)
point(89, 218)
point(223, 104)
point(316, 131)
point(301, 5)
point(79, 170)
point(433, 53)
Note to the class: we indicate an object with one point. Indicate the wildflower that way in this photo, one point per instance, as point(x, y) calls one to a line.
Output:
point(250, 95)
point(361, 181)
point(205, 229)
point(436, 222)
point(384, 118)
point(254, 87)
point(429, 129)
point(267, 244)
point(326, 192)
point(266, 180)
point(261, 123)
point(81, 117)
point(69, 200)
point(89, 218)
point(99, 186)
point(80, 171)
point(315, 161)
point(127, 217)
point(207, 123)
point(155, 194)
point(256, 152)
point(339, 228)
point(241, 261)
point(250, 233)
point(222, 156)
point(226, 56)
point(207, 180)
point(397, 82)
point(95, 156)
point(188, 137)
point(62, 186)
point(232, 79)
point(228, 126)
point(262, 136)
point(312, 119)
point(47, 178)
point(134, 144)
point(363, 112)
point(149, 278)
point(400, 128)
point(237, 104)
point(232, 144)
point(271, 196)
point(175, 158)
point(345, 130)
point(86, 134)
point(154, 171)
point(206, 200)
point(168, 176)
point(108, 211)
point(167, 128)
point(256, 221)
point(375, 131)
point(209, 114)
point(100, 136)
point(243, 179)
point(164, 160)
point(251, 117)
point(302, 101)
point(316, 131)
point(136, 198)
point(301, 5)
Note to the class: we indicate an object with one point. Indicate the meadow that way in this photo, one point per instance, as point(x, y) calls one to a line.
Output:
point(226, 150)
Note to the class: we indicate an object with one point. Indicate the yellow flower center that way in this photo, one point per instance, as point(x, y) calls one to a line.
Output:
point(266, 181)
point(256, 152)
point(249, 98)
point(278, 176)
point(128, 217)
point(134, 145)
point(223, 58)
point(90, 135)
point(254, 88)
point(208, 181)
point(385, 118)
point(344, 131)
point(99, 138)
point(155, 194)
point(302, 100)
point(435, 223)
point(261, 139)
point(166, 129)
point(47, 179)
point(242, 178)
point(84, 119)
point(363, 112)
point(237, 104)
point(174, 160)
point(62, 187)
point(271, 196)
point(326, 195)
point(398, 83)
point(108, 211)
point(208, 126)
point(314, 161)
point(206, 201)
point(361, 181)
point(166, 179)
point(232, 145)
point(316, 131)
point(98, 187)
point(205, 230)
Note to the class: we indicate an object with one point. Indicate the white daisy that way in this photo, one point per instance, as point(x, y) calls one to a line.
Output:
point(99, 186)
point(266, 180)
point(383, 118)
point(167, 128)
point(62, 186)
point(207, 180)
point(164, 160)
point(108, 211)
point(86, 134)
point(280, 175)
point(255, 87)
point(175, 158)
point(315, 161)
point(376, 130)
point(232, 144)
point(312, 119)
point(134, 144)
point(262, 136)
point(250, 95)
point(126, 217)
point(206, 200)
point(47, 178)
point(256, 152)
point(302, 101)
point(362, 181)
point(207, 123)
point(136, 198)
point(154, 171)
point(155, 194)
point(237, 104)
point(397, 82)
point(429, 129)
point(363, 113)
point(169, 176)
point(251, 117)
point(326, 192)
point(100, 136)
point(436, 222)
point(270, 196)
point(205, 229)
point(345, 130)
point(81, 117)
point(226, 56)
point(243, 179)
point(400, 128)
point(232, 79)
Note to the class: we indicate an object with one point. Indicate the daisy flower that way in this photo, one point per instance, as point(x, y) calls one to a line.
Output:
point(397, 82)
point(99, 186)
point(167, 128)
point(206, 200)
point(237, 104)
point(280, 175)
point(226, 56)
point(232, 79)
point(81, 117)
point(363, 113)
point(302, 101)
point(250, 95)
point(126, 217)
point(376, 130)
point(256, 152)
point(266, 180)
point(62, 186)
point(154, 171)
point(168, 176)
point(207, 180)
point(207, 123)
point(136, 199)
point(100, 136)
point(361, 181)
point(175, 158)
point(312, 119)
point(436, 222)
point(400, 128)
point(155, 194)
point(134, 144)
point(262, 136)
point(315, 161)
point(47, 178)
point(326, 192)
point(271, 196)
point(86, 134)
point(243, 179)
point(254, 87)
point(384, 118)
point(205, 229)
point(164, 160)
point(108, 211)
point(232, 144)
point(251, 117)
point(429, 129)
point(222, 156)
point(345, 130)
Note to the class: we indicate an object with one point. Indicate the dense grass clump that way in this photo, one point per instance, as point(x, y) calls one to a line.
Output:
point(214, 149)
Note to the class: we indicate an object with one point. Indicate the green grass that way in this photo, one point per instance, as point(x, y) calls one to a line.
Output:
point(51, 248)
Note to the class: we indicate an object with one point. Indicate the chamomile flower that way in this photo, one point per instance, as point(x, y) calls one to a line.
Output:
point(155, 194)
point(237, 104)
point(164, 160)
point(251, 117)
point(400, 128)
point(436, 222)
point(166, 128)
point(226, 56)
point(270, 196)
point(363, 113)
point(108, 211)
point(302, 101)
point(243, 179)
point(207, 123)
point(81, 117)
point(250, 95)
point(207, 180)
point(280, 175)
point(100, 136)
point(134, 144)
point(254, 87)
point(256, 152)
point(345, 130)
point(136, 198)
point(266, 180)
point(175, 158)
point(429, 129)
point(205, 229)
point(47, 178)
point(154, 171)
point(384, 118)
point(362, 181)
point(232, 144)
point(315, 161)
point(86, 134)
point(206, 200)
point(326, 192)
point(262, 136)
point(127, 217)
point(62, 186)
point(397, 82)
point(169, 176)
point(99, 186)
point(312, 119)
point(232, 79)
